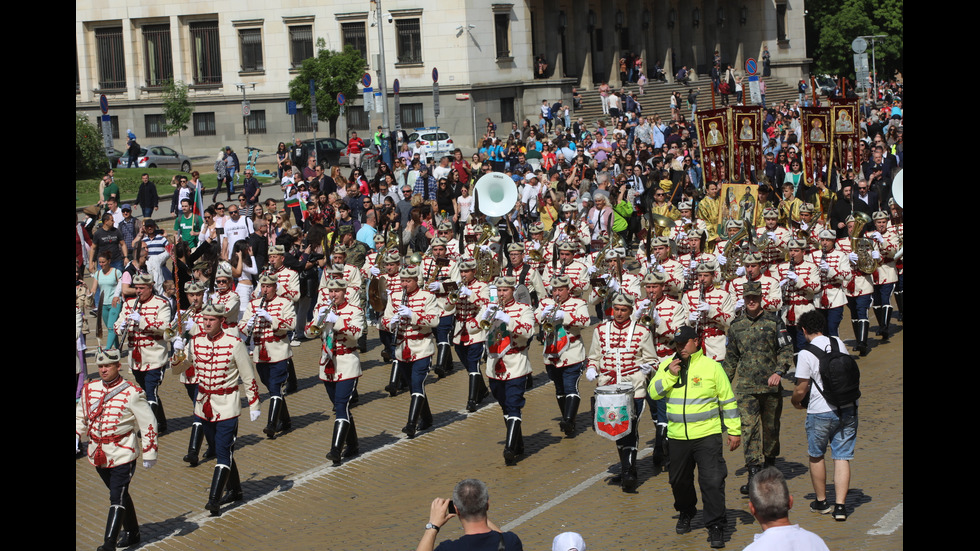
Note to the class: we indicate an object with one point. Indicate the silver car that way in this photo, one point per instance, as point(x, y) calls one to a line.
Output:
point(158, 156)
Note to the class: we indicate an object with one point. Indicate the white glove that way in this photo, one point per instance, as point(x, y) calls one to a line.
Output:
point(435, 287)
point(264, 314)
point(877, 236)
point(389, 292)
point(119, 326)
point(405, 312)
point(485, 248)
point(560, 315)
point(464, 291)
point(739, 304)
point(694, 265)
point(876, 255)
point(396, 319)
point(853, 257)
point(178, 343)
point(660, 269)
point(704, 306)
point(740, 271)
point(613, 285)
point(591, 374)
point(527, 259)
point(782, 282)
point(792, 276)
point(642, 305)
point(721, 260)
point(502, 317)
point(321, 312)
point(656, 317)
point(547, 310)
point(147, 463)
point(592, 270)
point(771, 235)
point(804, 226)
point(375, 271)
point(135, 316)
point(255, 414)
point(824, 266)
point(188, 325)
point(646, 368)
point(693, 316)
point(331, 318)
point(537, 245)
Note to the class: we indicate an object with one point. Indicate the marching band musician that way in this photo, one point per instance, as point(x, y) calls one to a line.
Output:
point(618, 280)
point(778, 236)
point(697, 255)
point(268, 318)
point(225, 296)
point(194, 324)
point(352, 274)
point(413, 313)
point(445, 232)
point(537, 243)
point(858, 288)
point(218, 359)
point(286, 278)
point(710, 310)
point(371, 260)
point(622, 351)
point(829, 299)
point(671, 268)
point(340, 324)
point(111, 413)
point(566, 265)
point(332, 272)
point(391, 263)
point(437, 269)
point(799, 279)
point(143, 319)
point(524, 272)
point(666, 316)
point(732, 227)
point(684, 225)
point(897, 226)
point(468, 338)
point(751, 270)
point(886, 276)
point(512, 327)
point(810, 226)
point(564, 353)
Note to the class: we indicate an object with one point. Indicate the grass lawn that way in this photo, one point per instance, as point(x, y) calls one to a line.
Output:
point(128, 180)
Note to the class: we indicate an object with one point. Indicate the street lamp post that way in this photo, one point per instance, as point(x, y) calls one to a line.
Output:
point(385, 150)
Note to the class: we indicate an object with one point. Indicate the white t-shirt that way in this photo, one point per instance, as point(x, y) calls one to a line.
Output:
point(465, 207)
point(792, 537)
point(236, 231)
point(808, 367)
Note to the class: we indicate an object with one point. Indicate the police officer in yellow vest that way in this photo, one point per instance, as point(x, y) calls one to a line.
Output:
point(697, 391)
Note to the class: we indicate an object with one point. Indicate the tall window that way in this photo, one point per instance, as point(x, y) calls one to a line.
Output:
point(250, 41)
point(412, 115)
point(507, 109)
point(501, 27)
point(112, 66)
point(256, 122)
point(304, 122)
point(159, 57)
point(300, 43)
point(204, 124)
point(355, 36)
point(409, 36)
point(357, 118)
point(155, 126)
point(206, 52)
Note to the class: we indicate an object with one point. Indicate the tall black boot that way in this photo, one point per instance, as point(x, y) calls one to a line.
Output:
point(218, 481)
point(753, 470)
point(561, 407)
point(158, 412)
point(130, 534)
point(513, 440)
point(194, 446)
point(392, 387)
point(234, 492)
point(627, 458)
point(658, 448)
point(414, 410)
point(352, 448)
point(567, 424)
point(878, 319)
point(447, 361)
point(340, 429)
point(113, 524)
point(477, 392)
point(862, 336)
point(285, 421)
point(440, 365)
point(856, 328)
point(275, 411)
point(900, 302)
point(291, 381)
point(529, 381)
point(886, 317)
point(425, 417)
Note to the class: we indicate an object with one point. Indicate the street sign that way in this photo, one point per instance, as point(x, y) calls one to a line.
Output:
point(246, 108)
point(378, 103)
point(751, 67)
point(104, 104)
point(341, 98)
point(435, 97)
point(435, 75)
point(368, 99)
point(290, 107)
point(107, 133)
point(397, 86)
point(755, 93)
point(366, 80)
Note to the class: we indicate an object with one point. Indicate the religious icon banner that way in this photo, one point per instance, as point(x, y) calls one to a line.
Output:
point(845, 135)
point(746, 142)
point(815, 127)
point(713, 129)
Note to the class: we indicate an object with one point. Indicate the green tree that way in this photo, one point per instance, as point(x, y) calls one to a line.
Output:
point(833, 24)
point(90, 157)
point(333, 73)
point(176, 109)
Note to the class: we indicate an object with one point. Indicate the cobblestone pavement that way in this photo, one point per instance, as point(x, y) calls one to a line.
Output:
point(295, 499)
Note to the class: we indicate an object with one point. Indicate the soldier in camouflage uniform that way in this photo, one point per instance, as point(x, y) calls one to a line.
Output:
point(761, 353)
point(356, 251)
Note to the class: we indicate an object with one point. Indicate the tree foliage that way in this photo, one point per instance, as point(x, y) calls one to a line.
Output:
point(834, 24)
point(90, 157)
point(333, 73)
point(177, 109)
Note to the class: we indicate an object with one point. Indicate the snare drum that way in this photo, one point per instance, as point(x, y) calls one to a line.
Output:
point(614, 411)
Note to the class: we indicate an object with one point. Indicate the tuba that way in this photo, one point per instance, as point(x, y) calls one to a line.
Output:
point(862, 246)
point(734, 253)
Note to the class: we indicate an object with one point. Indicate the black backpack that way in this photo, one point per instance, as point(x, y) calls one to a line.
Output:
point(839, 373)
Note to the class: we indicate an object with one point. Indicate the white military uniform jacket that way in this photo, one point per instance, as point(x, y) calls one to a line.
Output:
point(515, 362)
point(110, 416)
point(466, 330)
point(626, 347)
point(217, 365)
point(716, 320)
point(341, 360)
point(288, 284)
point(415, 338)
point(148, 349)
point(576, 319)
point(269, 338)
point(830, 293)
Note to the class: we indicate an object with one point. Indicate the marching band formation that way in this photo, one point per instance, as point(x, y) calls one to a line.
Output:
point(492, 300)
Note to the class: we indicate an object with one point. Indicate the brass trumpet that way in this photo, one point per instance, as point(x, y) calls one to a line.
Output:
point(316, 329)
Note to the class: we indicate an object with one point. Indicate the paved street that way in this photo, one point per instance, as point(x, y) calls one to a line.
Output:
point(295, 499)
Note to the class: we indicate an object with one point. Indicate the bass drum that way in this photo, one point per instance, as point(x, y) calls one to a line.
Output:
point(614, 411)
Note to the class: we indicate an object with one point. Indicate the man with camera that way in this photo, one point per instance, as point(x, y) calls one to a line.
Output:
point(470, 503)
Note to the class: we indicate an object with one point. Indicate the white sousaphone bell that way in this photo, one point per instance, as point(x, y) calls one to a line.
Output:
point(495, 194)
